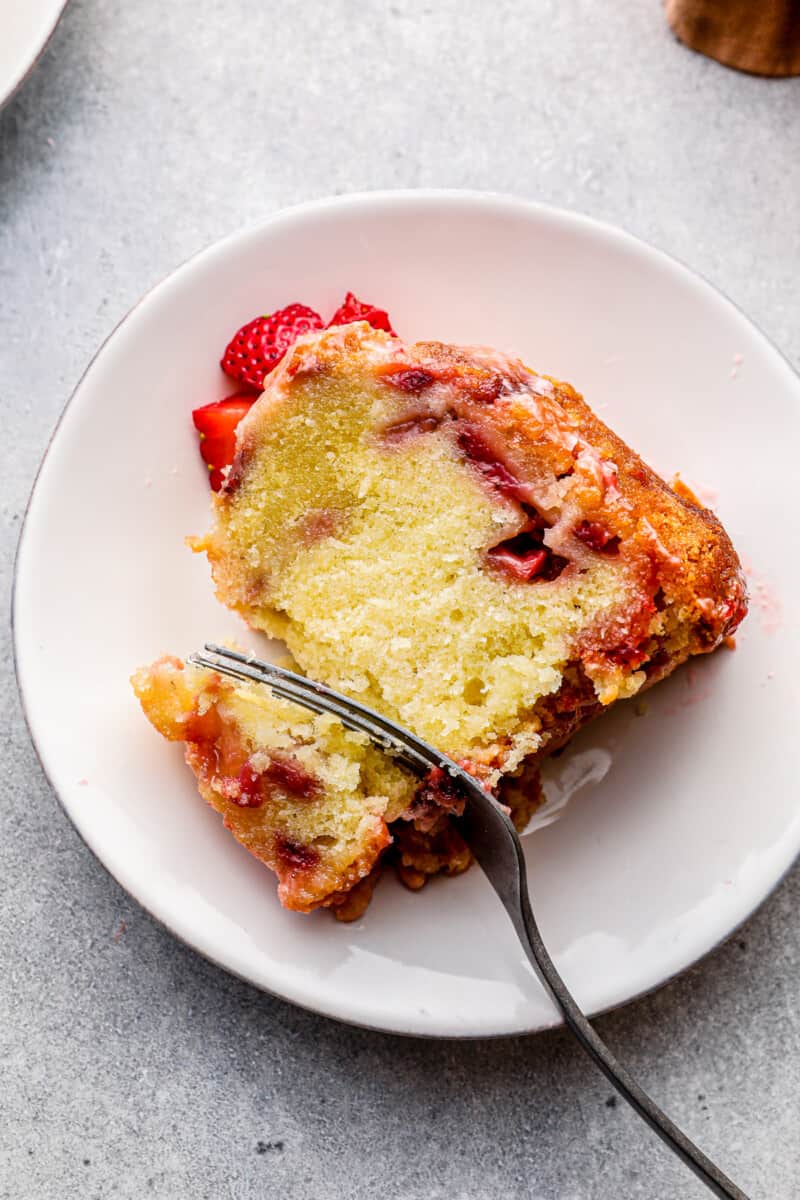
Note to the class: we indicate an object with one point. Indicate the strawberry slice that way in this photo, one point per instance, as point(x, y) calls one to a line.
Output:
point(353, 309)
point(260, 345)
point(216, 423)
point(596, 537)
point(521, 566)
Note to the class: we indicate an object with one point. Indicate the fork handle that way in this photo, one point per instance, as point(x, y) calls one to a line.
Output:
point(714, 1179)
point(495, 844)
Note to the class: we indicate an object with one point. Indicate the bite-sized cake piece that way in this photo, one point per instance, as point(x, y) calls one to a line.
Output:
point(308, 797)
point(459, 542)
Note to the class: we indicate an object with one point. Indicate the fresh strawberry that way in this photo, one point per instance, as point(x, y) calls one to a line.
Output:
point(353, 309)
point(521, 566)
point(216, 424)
point(261, 344)
point(596, 537)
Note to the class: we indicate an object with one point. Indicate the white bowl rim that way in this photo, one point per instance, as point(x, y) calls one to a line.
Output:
point(29, 66)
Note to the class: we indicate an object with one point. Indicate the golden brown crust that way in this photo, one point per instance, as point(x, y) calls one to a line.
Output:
point(419, 855)
point(707, 567)
point(351, 905)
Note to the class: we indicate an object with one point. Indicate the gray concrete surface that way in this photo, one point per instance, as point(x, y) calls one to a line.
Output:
point(130, 1067)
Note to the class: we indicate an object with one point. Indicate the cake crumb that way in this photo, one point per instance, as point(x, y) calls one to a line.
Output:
point(83, 783)
point(698, 493)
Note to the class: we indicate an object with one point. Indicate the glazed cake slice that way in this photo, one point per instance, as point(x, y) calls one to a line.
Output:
point(459, 542)
point(308, 797)
point(315, 802)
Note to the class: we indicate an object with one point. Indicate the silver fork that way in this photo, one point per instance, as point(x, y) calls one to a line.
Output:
point(495, 845)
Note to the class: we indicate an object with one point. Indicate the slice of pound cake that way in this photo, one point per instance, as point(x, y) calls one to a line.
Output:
point(457, 541)
point(460, 543)
point(308, 797)
point(311, 799)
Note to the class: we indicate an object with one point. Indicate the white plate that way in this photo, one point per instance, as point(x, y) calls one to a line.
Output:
point(693, 813)
point(25, 29)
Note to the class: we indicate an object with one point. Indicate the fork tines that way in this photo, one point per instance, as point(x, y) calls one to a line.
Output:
point(395, 740)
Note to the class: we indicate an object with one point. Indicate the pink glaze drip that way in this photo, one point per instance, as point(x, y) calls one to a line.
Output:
point(403, 430)
point(767, 602)
point(481, 455)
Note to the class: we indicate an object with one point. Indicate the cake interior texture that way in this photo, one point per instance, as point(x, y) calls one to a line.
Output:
point(459, 542)
point(308, 797)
